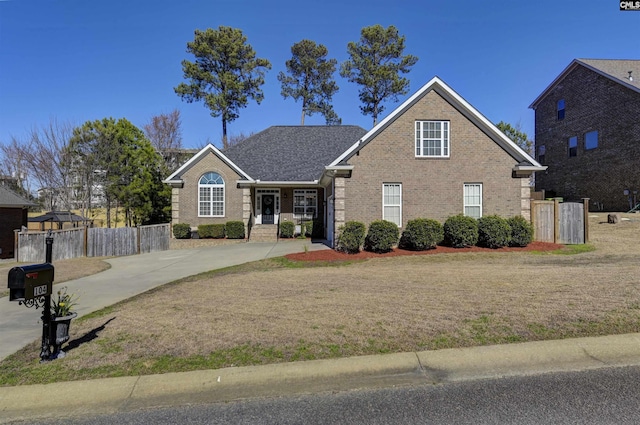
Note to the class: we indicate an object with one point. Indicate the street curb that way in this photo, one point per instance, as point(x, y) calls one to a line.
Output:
point(112, 395)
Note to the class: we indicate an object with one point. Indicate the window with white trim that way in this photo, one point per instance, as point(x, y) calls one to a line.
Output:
point(432, 139)
point(211, 195)
point(473, 200)
point(305, 204)
point(392, 203)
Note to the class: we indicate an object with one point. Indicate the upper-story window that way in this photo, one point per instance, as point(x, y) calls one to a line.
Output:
point(211, 195)
point(573, 146)
point(560, 109)
point(591, 140)
point(542, 150)
point(432, 139)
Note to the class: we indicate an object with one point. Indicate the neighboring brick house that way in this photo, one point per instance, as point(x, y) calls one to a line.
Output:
point(587, 131)
point(434, 156)
point(13, 215)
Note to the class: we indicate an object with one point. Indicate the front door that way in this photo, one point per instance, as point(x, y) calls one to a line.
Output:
point(268, 209)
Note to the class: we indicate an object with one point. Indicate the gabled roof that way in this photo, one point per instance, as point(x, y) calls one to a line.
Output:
point(292, 153)
point(10, 199)
point(616, 70)
point(522, 159)
point(175, 177)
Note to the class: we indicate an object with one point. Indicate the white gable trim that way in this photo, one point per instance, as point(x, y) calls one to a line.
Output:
point(174, 177)
point(459, 103)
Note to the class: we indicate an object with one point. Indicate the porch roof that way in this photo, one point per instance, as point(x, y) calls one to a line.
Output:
point(292, 153)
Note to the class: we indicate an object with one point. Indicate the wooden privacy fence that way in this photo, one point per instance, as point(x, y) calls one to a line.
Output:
point(560, 222)
point(92, 242)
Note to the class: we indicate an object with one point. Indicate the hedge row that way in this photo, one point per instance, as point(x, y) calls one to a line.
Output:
point(307, 229)
point(230, 230)
point(420, 234)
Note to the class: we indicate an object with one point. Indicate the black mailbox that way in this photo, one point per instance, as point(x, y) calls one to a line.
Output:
point(29, 282)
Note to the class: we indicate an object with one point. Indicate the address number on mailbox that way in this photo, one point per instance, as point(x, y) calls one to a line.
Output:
point(40, 290)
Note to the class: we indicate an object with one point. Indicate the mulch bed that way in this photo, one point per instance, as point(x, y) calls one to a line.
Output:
point(333, 255)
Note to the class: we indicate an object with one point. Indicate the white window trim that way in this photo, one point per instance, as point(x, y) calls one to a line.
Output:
point(399, 205)
point(464, 198)
point(211, 202)
point(307, 193)
point(445, 142)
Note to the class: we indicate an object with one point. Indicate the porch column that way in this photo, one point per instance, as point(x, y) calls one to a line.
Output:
point(175, 205)
point(339, 205)
point(246, 210)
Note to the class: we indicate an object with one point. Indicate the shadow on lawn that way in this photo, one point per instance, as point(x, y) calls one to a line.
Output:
point(88, 337)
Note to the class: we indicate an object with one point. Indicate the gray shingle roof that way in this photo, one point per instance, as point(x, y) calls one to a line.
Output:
point(9, 198)
point(292, 153)
point(617, 69)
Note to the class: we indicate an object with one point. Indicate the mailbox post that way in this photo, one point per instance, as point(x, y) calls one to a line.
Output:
point(32, 286)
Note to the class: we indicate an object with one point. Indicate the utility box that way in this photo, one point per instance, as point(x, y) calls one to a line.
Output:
point(29, 282)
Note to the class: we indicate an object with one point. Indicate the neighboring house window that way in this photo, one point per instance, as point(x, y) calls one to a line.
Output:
point(432, 139)
point(473, 200)
point(541, 152)
point(211, 195)
point(305, 204)
point(573, 146)
point(591, 140)
point(560, 109)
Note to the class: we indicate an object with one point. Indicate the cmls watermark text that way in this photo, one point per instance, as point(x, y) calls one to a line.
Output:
point(630, 5)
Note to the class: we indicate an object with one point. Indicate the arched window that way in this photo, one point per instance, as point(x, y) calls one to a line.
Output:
point(211, 195)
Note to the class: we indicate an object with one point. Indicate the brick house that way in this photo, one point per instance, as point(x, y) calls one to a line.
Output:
point(13, 215)
point(587, 131)
point(434, 156)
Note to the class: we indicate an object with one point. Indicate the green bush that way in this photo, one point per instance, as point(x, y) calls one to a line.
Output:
point(351, 237)
point(182, 231)
point(460, 231)
point(211, 231)
point(287, 229)
point(382, 236)
point(421, 234)
point(306, 228)
point(521, 231)
point(234, 229)
point(493, 232)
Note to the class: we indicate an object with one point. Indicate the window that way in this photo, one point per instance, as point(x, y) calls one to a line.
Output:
point(432, 139)
point(305, 204)
point(392, 203)
point(473, 200)
point(560, 109)
point(541, 152)
point(591, 140)
point(211, 195)
point(573, 146)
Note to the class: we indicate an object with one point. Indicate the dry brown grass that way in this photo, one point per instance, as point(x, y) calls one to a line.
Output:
point(65, 270)
point(379, 305)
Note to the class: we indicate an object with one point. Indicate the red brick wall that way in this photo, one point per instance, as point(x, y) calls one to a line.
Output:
point(431, 188)
point(10, 219)
point(592, 102)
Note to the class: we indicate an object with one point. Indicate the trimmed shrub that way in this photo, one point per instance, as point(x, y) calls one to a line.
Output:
point(234, 229)
point(382, 236)
point(287, 229)
point(351, 237)
point(182, 231)
point(521, 231)
point(211, 231)
point(306, 228)
point(493, 232)
point(421, 234)
point(460, 231)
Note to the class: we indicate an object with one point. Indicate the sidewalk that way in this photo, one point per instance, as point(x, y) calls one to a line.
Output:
point(114, 395)
point(132, 275)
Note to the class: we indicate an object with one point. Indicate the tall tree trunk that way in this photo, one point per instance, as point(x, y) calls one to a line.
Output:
point(225, 143)
point(302, 117)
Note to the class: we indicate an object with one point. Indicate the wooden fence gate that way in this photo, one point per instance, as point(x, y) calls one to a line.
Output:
point(560, 222)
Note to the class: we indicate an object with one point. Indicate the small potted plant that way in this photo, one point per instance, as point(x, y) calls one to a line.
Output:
point(61, 315)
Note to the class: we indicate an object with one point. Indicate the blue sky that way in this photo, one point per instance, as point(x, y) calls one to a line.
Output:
point(78, 60)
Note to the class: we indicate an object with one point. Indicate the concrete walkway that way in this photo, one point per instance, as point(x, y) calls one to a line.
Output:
point(132, 275)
